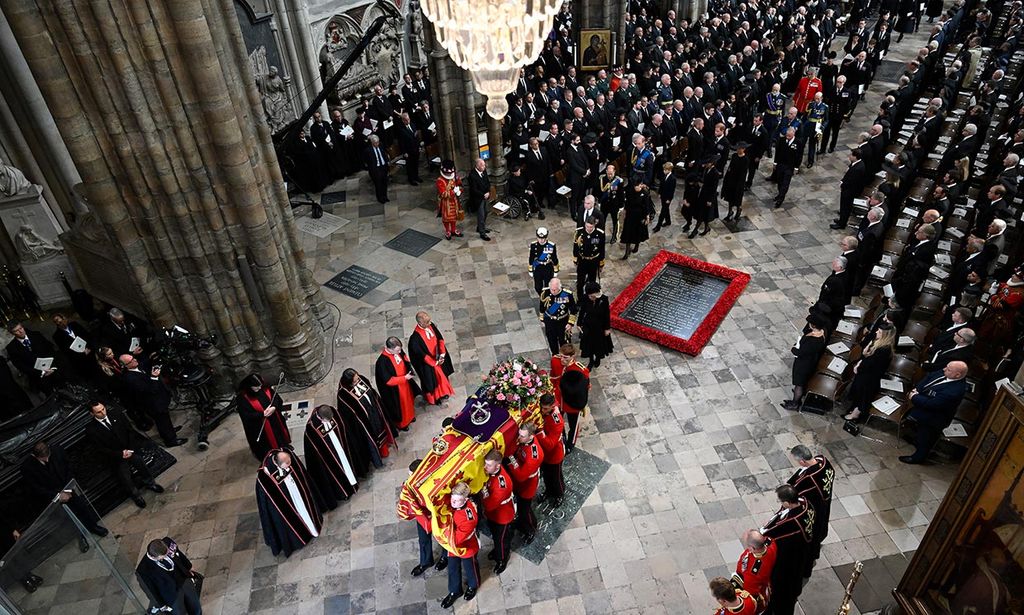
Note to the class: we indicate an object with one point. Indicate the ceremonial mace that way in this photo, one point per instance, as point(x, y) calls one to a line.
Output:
point(280, 379)
point(844, 608)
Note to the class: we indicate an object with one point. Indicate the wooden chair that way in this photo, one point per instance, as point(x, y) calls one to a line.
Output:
point(928, 309)
point(822, 392)
point(917, 331)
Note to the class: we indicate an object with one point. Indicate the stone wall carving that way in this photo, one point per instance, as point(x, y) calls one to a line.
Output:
point(12, 181)
point(417, 57)
point(267, 64)
point(277, 108)
point(381, 62)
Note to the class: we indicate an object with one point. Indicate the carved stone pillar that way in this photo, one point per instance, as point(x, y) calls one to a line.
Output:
point(445, 90)
point(162, 118)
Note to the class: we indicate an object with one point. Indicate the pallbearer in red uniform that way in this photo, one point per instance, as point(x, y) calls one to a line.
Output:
point(360, 409)
point(574, 386)
point(731, 601)
point(500, 508)
point(524, 467)
point(565, 356)
point(288, 505)
point(791, 529)
point(259, 406)
point(327, 452)
point(462, 566)
point(813, 481)
point(806, 89)
point(754, 568)
point(554, 450)
point(429, 357)
point(394, 375)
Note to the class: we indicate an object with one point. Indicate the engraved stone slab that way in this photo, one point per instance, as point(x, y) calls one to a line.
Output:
point(676, 301)
point(412, 242)
point(321, 227)
point(356, 281)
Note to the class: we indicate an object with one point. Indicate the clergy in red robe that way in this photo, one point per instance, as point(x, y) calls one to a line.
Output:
point(327, 456)
point(360, 409)
point(259, 406)
point(394, 375)
point(288, 504)
point(429, 357)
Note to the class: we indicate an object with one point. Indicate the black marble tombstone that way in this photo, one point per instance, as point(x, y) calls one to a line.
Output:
point(676, 300)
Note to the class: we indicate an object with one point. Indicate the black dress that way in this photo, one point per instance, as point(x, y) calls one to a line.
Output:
point(868, 378)
point(807, 356)
point(734, 182)
point(638, 208)
point(595, 318)
point(707, 198)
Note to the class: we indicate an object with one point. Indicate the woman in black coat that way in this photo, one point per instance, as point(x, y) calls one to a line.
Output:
point(808, 352)
point(733, 185)
point(595, 322)
point(639, 210)
point(868, 372)
point(706, 208)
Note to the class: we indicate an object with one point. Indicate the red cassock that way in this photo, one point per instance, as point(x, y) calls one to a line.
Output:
point(426, 346)
point(463, 528)
point(551, 438)
point(499, 505)
point(805, 92)
point(526, 477)
point(747, 606)
point(397, 393)
point(754, 574)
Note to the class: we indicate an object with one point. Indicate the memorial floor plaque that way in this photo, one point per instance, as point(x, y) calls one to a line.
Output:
point(355, 281)
point(412, 242)
point(678, 301)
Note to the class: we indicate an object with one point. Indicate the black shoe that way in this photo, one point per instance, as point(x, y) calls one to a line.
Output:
point(666, 225)
point(99, 530)
point(176, 443)
point(458, 233)
point(693, 233)
point(707, 229)
point(612, 240)
point(778, 204)
point(420, 569)
point(728, 216)
point(625, 254)
point(500, 567)
point(636, 248)
point(657, 228)
point(403, 429)
point(810, 165)
point(28, 585)
point(441, 564)
point(449, 600)
point(909, 460)
point(835, 226)
point(177, 428)
point(789, 404)
point(686, 228)
point(485, 237)
point(155, 488)
point(491, 556)
point(318, 212)
point(470, 594)
point(540, 215)
point(36, 579)
point(139, 501)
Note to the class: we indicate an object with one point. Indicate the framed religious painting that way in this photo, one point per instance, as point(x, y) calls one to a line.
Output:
point(971, 559)
point(597, 49)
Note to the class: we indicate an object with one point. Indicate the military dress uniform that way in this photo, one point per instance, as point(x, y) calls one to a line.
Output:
point(500, 508)
point(557, 312)
point(543, 264)
point(776, 105)
point(747, 605)
point(588, 254)
point(525, 480)
point(754, 574)
point(553, 445)
point(814, 128)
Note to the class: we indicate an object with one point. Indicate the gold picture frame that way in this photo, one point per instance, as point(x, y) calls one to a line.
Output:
point(595, 49)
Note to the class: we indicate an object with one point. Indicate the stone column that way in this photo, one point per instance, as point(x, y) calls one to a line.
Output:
point(445, 89)
point(497, 167)
point(161, 116)
point(298, 14)
point(289, 53)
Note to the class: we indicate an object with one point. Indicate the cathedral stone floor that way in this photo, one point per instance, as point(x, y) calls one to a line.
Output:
point(695, 445)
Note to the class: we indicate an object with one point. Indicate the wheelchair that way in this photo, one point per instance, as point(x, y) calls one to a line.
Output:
point(517, 207)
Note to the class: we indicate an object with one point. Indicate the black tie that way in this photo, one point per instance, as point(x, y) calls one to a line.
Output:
point(106, 423)
point(28, 344)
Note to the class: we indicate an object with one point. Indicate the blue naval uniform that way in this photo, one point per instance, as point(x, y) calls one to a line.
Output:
point(776, 108)
point(556, 312)
point(814, 128)
point(543, 264)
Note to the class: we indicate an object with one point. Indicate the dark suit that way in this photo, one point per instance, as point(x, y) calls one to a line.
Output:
point(24, 358)
point(851, 186)
point(787, 159)
point(934, 407)
point(151, 396)
point(835, 292)
point(912, 270)
point(110, 443)
point(409, 145)
point(666, 191)
point(83, 363)
point(43, 481)
point(870, 248)
point(119, 339)
point(479, 193)
point(941, 357)
point(376, 161)
point(171, 588)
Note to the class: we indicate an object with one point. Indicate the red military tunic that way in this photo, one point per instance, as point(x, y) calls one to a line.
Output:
point(754, 574)
point(551, 438)
point(558, 363)
point(747, 605)
point(463, 528)
point(526, 477)
point(805, 92)
point(579, 367)
point(499, 505)
point(447, 200)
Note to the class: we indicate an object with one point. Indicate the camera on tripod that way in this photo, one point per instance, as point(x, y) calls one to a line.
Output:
point(176, 353)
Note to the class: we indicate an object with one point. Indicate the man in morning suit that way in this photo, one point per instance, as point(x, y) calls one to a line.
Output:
point(852, 185)
point(479, 194)
point(409, 145)
point(114, 439)
point(935, 400)
point(376, 160)
point(787, 159)
point(23, 351)
point(150, 395)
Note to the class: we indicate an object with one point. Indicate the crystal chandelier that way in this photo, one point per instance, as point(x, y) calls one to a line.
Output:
point(492, 39)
